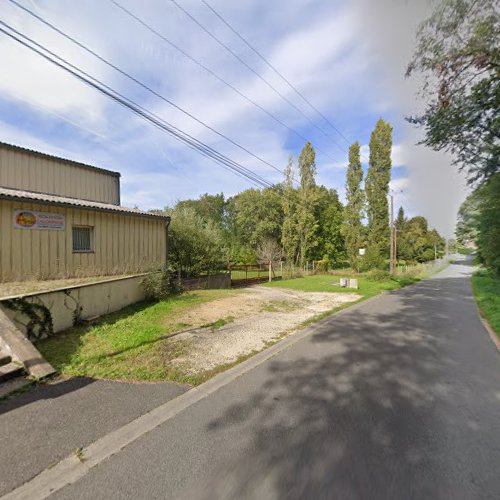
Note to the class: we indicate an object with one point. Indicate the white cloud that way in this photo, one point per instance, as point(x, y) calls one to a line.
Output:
point(348, 59)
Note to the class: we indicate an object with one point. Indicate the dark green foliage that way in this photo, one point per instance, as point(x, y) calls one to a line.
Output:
point(468, 218)
point(352, 227)
point(161, 285)
point(254, 215)
point(377, 188)
point(196, 245)
point(40, 323)
point(479, 222)
point(415, 242)
point(289, 236)
point(208, 207)
point(486, 286)
point(330, 242)
point(372, 259)
point(400, 220)
point(307, 196)
point(488, 226)
point(458, 54)
point(378, 275)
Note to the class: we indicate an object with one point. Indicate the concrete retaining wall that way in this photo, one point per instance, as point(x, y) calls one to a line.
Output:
point(40, 314)
point(75, 302)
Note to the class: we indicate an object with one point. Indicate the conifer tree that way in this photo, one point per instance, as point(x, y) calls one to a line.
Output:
point(352, 227)
point(400, 219)
point(377, 189)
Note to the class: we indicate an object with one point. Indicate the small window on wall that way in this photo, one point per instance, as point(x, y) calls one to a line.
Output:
point(83, 239)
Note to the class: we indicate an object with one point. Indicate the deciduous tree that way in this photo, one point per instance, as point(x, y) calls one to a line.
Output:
point(352, 227)
point(377, 188)
point(306, 222)
point(458, 55)
point(289, 234)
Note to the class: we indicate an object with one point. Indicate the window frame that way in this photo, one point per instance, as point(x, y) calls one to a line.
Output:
point(91, 239)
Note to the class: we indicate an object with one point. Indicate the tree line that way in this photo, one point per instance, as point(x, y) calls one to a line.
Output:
point(458, 56)
point(298, 221)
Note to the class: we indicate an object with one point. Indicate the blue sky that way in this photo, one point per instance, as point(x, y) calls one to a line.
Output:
point(348, 58)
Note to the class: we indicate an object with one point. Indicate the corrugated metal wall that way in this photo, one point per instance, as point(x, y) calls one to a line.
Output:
point(122, 244)
point(30, 172)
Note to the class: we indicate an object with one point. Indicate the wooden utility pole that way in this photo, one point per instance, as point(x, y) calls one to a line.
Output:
point(391, 257)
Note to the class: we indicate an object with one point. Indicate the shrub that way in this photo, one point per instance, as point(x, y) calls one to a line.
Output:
point(378, 275)
point(372, 259)
point(321, 266)
point(426, 255)
point(160, 285)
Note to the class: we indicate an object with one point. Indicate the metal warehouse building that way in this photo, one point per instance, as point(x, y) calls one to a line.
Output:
point(61, 219)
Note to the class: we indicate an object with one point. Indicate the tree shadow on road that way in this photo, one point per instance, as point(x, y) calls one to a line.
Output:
point(379, 404)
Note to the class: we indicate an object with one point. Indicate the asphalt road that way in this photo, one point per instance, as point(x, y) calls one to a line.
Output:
point(42, 426)
point(398, 399)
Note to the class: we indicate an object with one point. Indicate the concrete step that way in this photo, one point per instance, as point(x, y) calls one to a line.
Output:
point(10, 370)
point(4, 358)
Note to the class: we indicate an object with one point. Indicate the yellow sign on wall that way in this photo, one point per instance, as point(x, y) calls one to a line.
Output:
point(29, 219)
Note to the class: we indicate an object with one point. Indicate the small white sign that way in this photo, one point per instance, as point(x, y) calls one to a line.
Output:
point(29, 219)
point(361, 251)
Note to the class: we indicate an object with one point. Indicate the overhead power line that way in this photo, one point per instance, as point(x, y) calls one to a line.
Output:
point(158, 122)
point(138, 82)
point(215, 75)
point(266, 61)
point(257, 74)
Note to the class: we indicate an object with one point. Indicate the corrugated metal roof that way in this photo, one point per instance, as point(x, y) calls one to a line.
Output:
point(50, 199)
point(58, 158)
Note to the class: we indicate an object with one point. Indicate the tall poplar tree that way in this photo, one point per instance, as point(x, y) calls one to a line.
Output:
point(377, 189)
point(306, 221)
point(289, 236)
point(352, 228)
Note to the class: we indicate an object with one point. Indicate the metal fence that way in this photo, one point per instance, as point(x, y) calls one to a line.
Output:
point(244, 275)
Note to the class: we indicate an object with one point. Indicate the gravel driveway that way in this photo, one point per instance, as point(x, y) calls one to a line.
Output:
point(255, 318)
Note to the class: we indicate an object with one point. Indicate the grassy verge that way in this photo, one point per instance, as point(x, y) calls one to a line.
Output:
point(127, 345)
point(322, 283)
point(130, 344)
point(486, 288)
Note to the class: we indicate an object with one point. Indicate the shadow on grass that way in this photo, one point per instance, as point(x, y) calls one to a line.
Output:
point(142, 327)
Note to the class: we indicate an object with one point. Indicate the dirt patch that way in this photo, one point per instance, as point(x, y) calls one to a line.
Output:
point(259, 316)
point(238, 306)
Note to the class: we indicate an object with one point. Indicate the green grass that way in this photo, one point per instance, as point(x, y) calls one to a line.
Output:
point(130, 344)
point(219, 323)
point(320, 283)
point(486, 288)
point(127, 345)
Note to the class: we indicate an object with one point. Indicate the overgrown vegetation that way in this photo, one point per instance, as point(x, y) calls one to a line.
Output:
point(479, 223)
point(486, 286)
point(300, 221)
point(127, 344)
point(161, 285)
